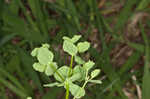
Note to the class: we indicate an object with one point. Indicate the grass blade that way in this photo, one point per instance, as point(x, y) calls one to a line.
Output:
point(143, 4)
point(35, 6)
point(146, 79)
point(13, 88)
point(125, 14)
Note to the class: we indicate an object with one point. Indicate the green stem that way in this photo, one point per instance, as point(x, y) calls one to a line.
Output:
point(84, 84)
point(70, 66)
point(67, 91)
point(54, 69)
point(69, 73)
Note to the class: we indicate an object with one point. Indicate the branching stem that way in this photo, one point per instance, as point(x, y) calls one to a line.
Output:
point(67, 91)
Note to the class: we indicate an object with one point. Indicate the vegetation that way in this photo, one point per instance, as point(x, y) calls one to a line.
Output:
point(118, 31)
point(66, 76)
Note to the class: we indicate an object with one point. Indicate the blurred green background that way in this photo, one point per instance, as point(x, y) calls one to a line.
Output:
point(118, 30)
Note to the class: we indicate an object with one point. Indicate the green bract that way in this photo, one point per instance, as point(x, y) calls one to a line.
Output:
point(74, 39)
point(88, 65)
point(76, 90)
point(53, 84)
point(79, 60)
point(70, 48)
point(80, 71)
point(43, 54)
point(95, 81)
point(95, 73)
point(83, 46)
point(48, 69)
point(29, 97)
point(63, 71)
point(67, 76)
point(39, 67)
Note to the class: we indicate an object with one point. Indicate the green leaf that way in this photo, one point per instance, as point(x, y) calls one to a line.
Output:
point(75, 38)
point(88, 65)
point(146, 73)
point(95, 81)
point(80, 71)
point(29, 97)
point(76, 90)
point(44, 55)
point(83, 46)
point(79, 60)
point(49, 69)
point(39, 67)
point(95, 73)
point(45, 68)
point(69, 47)
point(51, 84)
point(75, 77)
point(142, 5)
point(63, 71)
point(60, 85)
point(34, 52)
point(45, 45)
point(67, 38)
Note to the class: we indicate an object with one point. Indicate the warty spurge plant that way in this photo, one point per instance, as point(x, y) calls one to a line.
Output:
point(67, 76)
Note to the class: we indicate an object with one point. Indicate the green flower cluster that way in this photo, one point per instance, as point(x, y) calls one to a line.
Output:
point(67, 76)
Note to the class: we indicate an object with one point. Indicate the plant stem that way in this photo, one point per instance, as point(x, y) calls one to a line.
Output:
point(67, 91)
point(84, 84)
point(70, 66)
point(69, 73)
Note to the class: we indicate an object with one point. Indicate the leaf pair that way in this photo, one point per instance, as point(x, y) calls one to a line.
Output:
point(72, 40)
point(76, 90)
point(48, 69)
point(45, 60)
point(79, 72)
point(70, 47)
point(77, 75)
point(63, 71)
point(43, 54)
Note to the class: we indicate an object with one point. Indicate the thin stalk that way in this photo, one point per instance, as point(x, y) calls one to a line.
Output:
point(57, 72)
point(67, 91)
point(70, 66)
point(84, 84)
point(69, 73)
